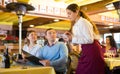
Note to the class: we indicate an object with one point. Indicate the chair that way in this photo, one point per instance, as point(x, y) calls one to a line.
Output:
point(69, 65)
point(73, 61)
point(107, 69)
point(116, 70)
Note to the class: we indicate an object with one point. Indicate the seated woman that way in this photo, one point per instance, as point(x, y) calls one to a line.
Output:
point(30, 44)
point(110, 45)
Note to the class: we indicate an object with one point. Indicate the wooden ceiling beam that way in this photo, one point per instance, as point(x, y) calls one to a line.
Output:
point(115, 30)
point(97, 7)
point(35, 21)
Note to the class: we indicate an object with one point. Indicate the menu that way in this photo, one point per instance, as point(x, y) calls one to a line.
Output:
point(32, 58)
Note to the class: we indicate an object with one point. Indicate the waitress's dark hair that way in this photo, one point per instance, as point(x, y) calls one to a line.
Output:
point(112, 41)
point(74, 7)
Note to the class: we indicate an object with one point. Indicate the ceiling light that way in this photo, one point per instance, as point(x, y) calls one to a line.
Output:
point(110, 26)
point(31, 25)
point(110, 6)
point(56, 20)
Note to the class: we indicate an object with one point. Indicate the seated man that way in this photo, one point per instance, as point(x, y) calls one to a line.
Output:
point(54, 53)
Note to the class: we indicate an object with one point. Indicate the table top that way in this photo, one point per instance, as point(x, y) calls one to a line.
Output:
point(112, 62)
point(27, 70)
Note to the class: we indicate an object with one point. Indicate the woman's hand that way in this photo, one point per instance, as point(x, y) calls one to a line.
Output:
point(23, 55)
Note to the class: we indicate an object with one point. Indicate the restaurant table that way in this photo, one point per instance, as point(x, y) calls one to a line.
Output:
point(27, 70)
point(112, 62)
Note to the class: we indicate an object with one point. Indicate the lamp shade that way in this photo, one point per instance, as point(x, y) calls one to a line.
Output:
point(117, 5)
point(20, 8)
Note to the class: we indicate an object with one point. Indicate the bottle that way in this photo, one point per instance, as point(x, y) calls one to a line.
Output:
point(6, 59)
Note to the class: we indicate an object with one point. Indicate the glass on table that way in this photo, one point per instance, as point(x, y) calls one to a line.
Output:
point(110, 53)
point(113, 53)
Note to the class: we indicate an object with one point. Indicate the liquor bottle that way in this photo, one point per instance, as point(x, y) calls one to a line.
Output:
point(6, 59)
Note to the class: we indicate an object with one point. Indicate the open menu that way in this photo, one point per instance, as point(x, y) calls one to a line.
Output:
point(32, 58)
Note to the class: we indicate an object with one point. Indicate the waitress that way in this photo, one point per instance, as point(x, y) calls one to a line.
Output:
point(86, 34)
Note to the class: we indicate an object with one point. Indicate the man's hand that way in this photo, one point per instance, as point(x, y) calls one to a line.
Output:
point(45, 62)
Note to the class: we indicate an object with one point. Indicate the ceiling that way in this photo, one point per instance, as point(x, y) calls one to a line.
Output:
point(45, 21)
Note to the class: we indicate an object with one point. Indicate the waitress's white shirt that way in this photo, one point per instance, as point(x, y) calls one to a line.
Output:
point(83, 32)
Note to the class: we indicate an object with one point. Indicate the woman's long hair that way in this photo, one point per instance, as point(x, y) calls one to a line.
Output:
point(27, 41)
point(112, 41)
point(74, 8)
